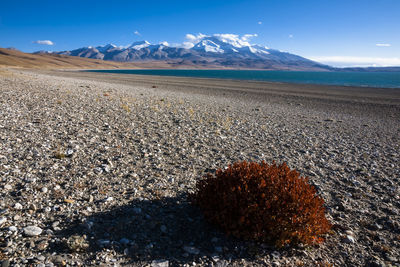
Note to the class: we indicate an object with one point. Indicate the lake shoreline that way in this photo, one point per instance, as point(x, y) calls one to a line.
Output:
point(335, 78)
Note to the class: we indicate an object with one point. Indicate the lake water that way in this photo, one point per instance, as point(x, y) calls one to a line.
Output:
point(365, 79)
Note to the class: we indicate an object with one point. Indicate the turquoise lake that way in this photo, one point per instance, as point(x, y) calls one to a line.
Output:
point(364, 79)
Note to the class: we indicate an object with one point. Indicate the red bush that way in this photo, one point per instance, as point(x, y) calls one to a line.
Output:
point(261, 202)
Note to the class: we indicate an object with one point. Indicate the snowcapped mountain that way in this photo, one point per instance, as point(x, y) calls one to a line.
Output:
point(218, 50)
point(139, 45)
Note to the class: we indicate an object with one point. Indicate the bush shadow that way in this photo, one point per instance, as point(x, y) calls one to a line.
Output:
point(169, 229)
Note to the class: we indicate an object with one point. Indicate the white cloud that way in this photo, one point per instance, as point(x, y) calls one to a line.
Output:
point(383, 45)
point(186, 45)
point(290, 35)
point(44, 42)
point(164, 43)
point(246, 37)
point(194, 38)
point(137, 33)
point(345, 61)
point(190, 37)
point(260, 22)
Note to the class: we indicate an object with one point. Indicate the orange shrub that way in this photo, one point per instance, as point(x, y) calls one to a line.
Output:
point(261, 202)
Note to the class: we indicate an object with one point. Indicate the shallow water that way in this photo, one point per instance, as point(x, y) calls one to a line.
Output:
point(364, 79)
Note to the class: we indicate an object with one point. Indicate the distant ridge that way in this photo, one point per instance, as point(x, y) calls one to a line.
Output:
point(211, 51)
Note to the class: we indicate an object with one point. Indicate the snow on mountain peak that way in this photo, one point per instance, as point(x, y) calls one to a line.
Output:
point(225, 42)
point(139, 45)
point(208, 46)
point(232, 39)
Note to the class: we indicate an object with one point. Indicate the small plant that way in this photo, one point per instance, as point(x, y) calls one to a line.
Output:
point(261, 202)
point(59, 154)
point(126, 108)
point(77, 243)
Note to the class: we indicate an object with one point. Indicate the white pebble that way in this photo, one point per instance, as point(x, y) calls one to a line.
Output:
point(8, 187)
point(12, 229)
point(18, 206)
point(32, 231)
point(2, 220)
point(159, 263)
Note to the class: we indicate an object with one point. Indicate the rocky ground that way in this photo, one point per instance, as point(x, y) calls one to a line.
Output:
point(97, 173)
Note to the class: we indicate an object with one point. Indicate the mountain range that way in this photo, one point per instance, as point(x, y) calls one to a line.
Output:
point(214, 51)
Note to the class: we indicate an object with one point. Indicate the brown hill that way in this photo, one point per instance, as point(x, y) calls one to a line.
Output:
point(15, 58)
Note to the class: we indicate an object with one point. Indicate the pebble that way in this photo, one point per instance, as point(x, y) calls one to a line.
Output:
point(108, 199)
point(41, 258)
point(44, 190)
point(349, 239)
point(42, 245)
point(32, 231)
point(191, 250)
point(163, 228)
point(159, 263)
point(98, 170)
point(5, 263)
point(69, 152)
point(218, 249)
point(124, 241)
point(8, 187)
point(103, 242)
point(12, 229)
point(2, 220)
point(18, 206)
point(137, 210)
point(58, 260)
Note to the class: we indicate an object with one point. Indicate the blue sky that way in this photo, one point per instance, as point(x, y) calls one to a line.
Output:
point(338, 32)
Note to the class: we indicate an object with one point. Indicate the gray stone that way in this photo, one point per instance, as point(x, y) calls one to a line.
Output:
point(41, 258)
point(124, 241)
point(5, 263)
point(8, 187)
point(191, 250)
point(18, 206)
point(159, 263)
point(349, 239)
point(2, 220)
point(69, 152)
point(103, 242)
point(218, 249)
point(32, 231)
point(98, 170)
point(137, 210)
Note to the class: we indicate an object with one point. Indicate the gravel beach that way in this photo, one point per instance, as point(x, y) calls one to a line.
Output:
point(95, 168)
